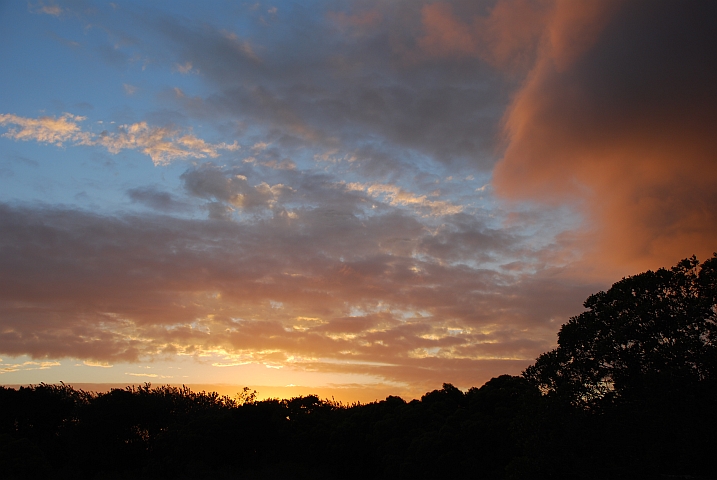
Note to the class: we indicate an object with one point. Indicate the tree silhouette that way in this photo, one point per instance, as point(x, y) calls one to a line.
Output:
point(650, 331)
point(631, 388)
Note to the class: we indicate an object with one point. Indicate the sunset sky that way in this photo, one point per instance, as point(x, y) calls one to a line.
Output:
point(365, 197)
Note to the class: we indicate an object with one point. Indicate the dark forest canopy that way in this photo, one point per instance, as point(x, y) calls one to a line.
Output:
point(629, 392)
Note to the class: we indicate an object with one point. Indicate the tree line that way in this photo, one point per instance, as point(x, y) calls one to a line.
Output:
point(629, 392)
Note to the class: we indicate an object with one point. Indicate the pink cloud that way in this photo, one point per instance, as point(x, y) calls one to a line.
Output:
point(617, 119)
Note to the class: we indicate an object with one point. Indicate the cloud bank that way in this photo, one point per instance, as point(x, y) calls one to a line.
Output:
point(322, 289)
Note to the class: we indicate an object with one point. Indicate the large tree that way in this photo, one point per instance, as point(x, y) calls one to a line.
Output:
point(652, 331)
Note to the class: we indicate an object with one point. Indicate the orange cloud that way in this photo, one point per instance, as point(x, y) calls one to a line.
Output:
point(573, 27)
point(507, 37)
point(446, 34)
point(52, 130)
point(617, 118)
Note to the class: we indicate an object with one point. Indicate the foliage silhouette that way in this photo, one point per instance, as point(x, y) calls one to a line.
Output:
point(648, 332)
point(632, 385)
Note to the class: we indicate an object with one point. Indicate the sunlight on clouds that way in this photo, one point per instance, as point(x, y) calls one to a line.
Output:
point(230, 364)
point(162, 144)
point(26, 366)
point(242, 46)
point(307, 323)
point(341, 336)
point(148, 375)
point(184, 68)
point(424, 352)
point(397, 196)
point(334, 156)
point(430, 336)
point(48, 9)
point(52, 130)
point(247, 301)
point(90, 363)
point(259, 146)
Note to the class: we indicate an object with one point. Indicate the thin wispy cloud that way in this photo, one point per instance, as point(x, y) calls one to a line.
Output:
point(162, 144)
point(395, 195)
point(185, 68)
point(55, 130)
point(26, 366)
point(129, 89)
point(50, 8)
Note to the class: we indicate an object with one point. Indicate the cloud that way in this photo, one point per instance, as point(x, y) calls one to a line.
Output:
point(52, 130)
point(129, 89)
point(50, 8)
point(184, 68)
point(286, 164)
point(148, 375)
point(26, 366)
point(113, 55)
point(312, 84)
point(211, 182)
point(617, 118)
point(162, 144)
point(90, 363)
point(326, 290)
point(361, 23)
point(236, 188)
point(64, 41)
point(398, 196)
point(506, 35)
point(244, 47)
point(157, 200)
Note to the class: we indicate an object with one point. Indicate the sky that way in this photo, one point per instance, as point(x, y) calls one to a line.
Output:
point(353, 197)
